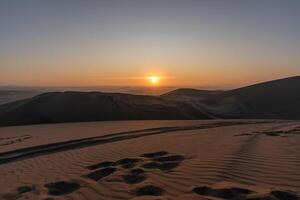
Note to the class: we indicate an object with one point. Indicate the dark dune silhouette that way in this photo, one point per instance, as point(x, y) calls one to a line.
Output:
point(279, 99)
point(55, 107)
point(274, 99)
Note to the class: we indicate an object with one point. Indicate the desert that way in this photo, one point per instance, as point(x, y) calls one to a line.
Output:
point(149, 100)
point(231, 159)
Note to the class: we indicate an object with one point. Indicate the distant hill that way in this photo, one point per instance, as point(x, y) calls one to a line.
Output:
point(7, 96)
point(279, 99)
point(190, 93)
point(55, 107)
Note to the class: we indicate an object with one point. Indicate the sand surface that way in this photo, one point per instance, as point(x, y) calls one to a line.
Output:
point(238, 159)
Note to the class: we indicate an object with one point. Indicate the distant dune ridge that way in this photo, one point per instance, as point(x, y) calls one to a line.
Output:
point(278, 99)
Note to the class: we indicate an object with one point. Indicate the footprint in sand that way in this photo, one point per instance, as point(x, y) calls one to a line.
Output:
point(163, 161)
point(236, 193)
point(155, 160)
point(135, 176)
point(226, 193)
point(62, 187)
point(127, 162)
point(134, 169)
point(282, 195)
point(101, 173)
point(25, 189)
point(149, 190)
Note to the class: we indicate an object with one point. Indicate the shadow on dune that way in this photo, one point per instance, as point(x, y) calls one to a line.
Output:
point(279, 99)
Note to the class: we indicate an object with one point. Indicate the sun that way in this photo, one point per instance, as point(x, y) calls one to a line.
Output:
point(154, 80)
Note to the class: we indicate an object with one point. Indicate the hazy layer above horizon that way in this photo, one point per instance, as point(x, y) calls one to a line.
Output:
point(109, 42)
point(13, 93)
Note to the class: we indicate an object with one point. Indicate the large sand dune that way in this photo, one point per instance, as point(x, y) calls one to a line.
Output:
point(279, 99)
point(239, 159)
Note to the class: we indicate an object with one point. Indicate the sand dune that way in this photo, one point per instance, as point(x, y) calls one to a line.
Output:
point(189, 160)
point(279, 99)
point(108, 138)
point(57, 107)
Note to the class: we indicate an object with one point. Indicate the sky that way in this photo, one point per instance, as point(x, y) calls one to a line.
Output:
point(195, 43)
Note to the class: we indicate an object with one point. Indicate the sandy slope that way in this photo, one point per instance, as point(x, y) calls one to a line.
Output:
point(277, 99)
point(193, 160)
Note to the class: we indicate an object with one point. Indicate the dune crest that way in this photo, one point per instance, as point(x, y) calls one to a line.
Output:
point(279, 99)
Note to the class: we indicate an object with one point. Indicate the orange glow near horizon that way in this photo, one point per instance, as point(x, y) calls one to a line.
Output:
point(123, 43)
point(161, 76)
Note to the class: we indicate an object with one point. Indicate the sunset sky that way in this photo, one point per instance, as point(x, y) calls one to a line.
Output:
point(186, 43)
